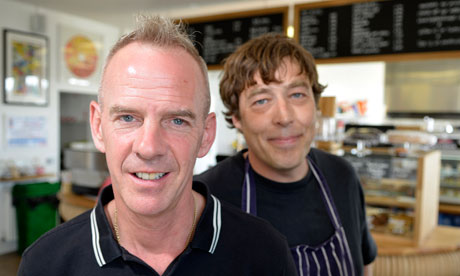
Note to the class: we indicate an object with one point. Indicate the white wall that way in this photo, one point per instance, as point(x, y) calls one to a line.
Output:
point(350, 82)
point(224, 135)
point(17, 16)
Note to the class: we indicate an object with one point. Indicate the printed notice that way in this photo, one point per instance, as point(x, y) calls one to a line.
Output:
point(26, 131)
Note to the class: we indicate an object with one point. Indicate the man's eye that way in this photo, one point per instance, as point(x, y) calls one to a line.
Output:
point(127, 118)
point(178, 121)
point(260, 102)
point(297, 95)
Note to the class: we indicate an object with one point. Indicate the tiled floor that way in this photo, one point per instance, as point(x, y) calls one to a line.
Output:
point(9, 264)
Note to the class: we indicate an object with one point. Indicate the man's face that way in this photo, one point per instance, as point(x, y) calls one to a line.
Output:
point(152, 125)
point(278, 122)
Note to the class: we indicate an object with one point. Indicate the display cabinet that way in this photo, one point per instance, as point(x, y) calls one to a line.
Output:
point(449, 194)
point(401, 192)
point(450, 178)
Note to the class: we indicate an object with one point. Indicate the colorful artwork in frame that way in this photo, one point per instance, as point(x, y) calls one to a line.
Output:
point(81, 56)
point(25, 68)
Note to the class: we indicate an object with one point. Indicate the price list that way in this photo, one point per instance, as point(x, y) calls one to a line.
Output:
point(380, 28)
point(217, 39)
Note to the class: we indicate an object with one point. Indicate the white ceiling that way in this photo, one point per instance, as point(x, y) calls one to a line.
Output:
point(120, 12)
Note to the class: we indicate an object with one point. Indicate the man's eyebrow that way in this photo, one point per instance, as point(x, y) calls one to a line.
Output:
point(260, 90)
point(180, 113)
point(117, 109)
point(299, 83)
point(256, 91)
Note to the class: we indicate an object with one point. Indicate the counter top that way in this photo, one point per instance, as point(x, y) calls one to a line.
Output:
point(25, 178)
point(442, 239)
point(77, 200)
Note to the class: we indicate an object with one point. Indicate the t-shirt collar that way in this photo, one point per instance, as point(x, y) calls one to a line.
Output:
point(106, 249)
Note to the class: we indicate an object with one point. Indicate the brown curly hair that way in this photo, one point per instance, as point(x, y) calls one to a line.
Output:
point(265, 55)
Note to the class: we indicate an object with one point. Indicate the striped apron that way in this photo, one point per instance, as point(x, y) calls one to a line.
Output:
point(333, 256)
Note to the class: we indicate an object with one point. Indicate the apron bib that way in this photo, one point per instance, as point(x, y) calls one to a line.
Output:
point(333, 256)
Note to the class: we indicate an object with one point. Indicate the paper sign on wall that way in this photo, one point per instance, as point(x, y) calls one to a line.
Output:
point(26, 131)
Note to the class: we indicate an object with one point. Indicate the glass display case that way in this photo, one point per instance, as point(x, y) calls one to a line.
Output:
point(450, 178)
point(449, 194)
point(401, 192)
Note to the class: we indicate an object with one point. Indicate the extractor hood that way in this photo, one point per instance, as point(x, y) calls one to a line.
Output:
point(423, 88)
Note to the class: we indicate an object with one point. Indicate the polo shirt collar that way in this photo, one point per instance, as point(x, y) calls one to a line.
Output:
point(209, 225)
point(106, 249)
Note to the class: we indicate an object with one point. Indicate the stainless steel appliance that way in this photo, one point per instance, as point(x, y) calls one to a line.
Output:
point(423, 88)
point(88, 167)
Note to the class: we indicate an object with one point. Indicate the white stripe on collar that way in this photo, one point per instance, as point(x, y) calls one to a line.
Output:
point(95, 238)
point(216, 222)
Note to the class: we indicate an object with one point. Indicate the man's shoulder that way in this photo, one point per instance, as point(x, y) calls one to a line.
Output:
point(248, 227)
point(230, 166)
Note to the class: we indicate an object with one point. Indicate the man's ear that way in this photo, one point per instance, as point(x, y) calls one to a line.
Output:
point(236, 122)
point(209, 134)
point(95, 120)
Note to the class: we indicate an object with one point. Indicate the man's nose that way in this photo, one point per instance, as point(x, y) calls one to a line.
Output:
point(149, 143)
point(284, 112)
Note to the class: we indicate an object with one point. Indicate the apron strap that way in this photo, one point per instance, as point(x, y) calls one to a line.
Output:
point(327, 197)
point(248, 196)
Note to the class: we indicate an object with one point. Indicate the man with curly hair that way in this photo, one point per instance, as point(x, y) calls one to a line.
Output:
point(270, 89)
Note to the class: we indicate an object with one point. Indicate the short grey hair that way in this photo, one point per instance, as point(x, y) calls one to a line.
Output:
point(165, 33)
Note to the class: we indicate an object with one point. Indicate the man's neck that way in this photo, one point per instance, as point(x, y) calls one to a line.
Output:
point(158, 240)
point(275, 174)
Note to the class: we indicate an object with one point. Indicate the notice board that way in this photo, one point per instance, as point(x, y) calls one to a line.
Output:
point(369, 29)
point(218, 36)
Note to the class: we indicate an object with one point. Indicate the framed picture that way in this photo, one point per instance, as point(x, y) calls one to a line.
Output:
point(25, 68)
point(81, 56)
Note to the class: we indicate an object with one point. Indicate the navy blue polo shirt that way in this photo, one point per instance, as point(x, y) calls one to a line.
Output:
point(226, 242)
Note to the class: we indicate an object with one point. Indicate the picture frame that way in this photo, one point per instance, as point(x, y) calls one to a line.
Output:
point(25, 68)
point(80, 61)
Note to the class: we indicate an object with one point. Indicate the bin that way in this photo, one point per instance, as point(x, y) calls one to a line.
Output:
point(36, 211)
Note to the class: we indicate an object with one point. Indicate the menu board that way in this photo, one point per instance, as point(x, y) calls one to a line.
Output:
point(378, 27)
point(219, 36)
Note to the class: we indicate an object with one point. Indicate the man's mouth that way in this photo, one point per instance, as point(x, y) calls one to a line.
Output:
point(284, 139)
point(149, 176)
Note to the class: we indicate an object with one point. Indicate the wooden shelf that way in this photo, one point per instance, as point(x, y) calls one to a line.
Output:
point(398, 182)
point(390, 202)
point(449, 208)
point(27, 178)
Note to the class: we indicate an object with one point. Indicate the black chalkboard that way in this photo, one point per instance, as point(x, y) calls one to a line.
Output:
point(218, 36)
point(378, 27)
